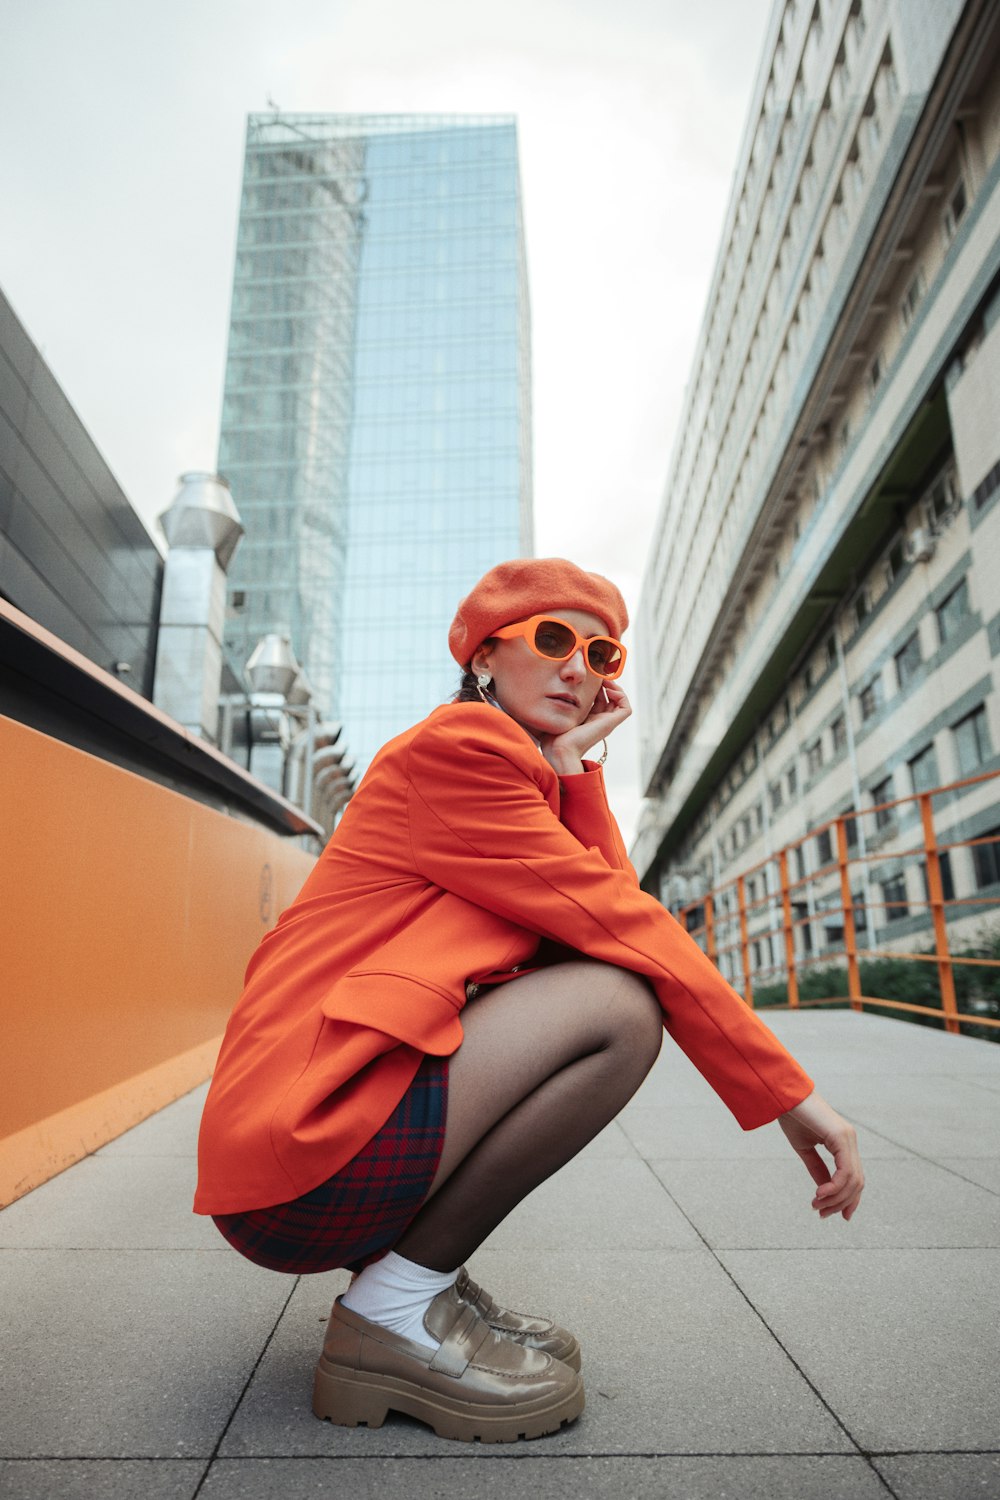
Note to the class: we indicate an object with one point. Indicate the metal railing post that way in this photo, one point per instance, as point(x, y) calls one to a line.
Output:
point(789, 929)
point(710, 947)
point(741, 901)
point(847, 903)
point(935, 892)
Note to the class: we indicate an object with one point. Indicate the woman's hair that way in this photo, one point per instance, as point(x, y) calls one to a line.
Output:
point(468, 690)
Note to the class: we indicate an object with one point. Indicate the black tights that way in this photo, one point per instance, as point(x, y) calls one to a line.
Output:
point(547, 1061)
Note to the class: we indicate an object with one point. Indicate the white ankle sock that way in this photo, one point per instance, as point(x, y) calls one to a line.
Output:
point(396, 1293)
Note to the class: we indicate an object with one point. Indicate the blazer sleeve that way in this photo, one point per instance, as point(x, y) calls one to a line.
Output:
point(481, 825)
point(584, 810)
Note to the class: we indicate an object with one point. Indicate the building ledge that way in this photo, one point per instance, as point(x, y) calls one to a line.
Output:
point(53, 688)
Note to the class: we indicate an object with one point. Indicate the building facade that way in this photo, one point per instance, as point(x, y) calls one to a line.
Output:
point(819, 620)
point(74, 555)
point(376, 425)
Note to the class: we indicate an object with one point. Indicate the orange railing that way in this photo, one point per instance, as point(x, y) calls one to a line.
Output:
point(760, 926)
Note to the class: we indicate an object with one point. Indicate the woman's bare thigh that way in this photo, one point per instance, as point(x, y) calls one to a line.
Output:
point(521, 1033)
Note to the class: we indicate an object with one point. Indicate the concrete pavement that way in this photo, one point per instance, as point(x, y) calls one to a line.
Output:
point(734, 1345)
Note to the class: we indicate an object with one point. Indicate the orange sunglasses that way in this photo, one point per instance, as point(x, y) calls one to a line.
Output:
point(556, 640)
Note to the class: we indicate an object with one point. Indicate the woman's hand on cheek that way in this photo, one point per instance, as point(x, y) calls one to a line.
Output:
point(564, 752)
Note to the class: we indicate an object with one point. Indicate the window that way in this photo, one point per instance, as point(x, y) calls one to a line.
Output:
point(860, 911)
point(870, 698)
point(883, 792)
point(947, 883)
point(851, 826)
point(824, 847)
point(894, 897)
point(776, 796)
point(924, 772)
point(802, 911)
point(908, 660)
point(839, 731)
point(793, 781)
point(954, 211)
point(912, 298)
point(952, 611)
point(942, 497)
point(895, 562)
point(986, 859)
point(751, 890)
point(875, 372)
point(814, 757)
point(861, 606)
point(972, 741)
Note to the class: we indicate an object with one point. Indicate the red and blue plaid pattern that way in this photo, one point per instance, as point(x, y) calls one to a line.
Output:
point(360, 1212)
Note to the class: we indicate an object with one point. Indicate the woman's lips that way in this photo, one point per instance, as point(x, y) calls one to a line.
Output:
point(566, 698)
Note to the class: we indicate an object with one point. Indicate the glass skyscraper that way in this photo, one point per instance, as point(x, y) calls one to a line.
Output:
point(376, 424)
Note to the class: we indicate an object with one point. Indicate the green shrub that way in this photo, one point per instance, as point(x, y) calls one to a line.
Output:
point(977, 990)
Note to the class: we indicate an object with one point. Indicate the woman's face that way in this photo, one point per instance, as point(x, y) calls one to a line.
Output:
point(545, 697)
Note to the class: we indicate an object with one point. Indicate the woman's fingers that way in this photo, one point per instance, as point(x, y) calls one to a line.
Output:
point(811, 1124)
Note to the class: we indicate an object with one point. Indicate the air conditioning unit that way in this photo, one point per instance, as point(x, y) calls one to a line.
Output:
point(920, 545)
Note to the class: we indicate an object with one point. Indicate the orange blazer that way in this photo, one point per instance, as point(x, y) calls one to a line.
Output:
point(460, 851)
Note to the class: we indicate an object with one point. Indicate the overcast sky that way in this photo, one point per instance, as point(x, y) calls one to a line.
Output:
point(121, 142)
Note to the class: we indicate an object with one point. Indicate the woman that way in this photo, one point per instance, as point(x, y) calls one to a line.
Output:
point(364, 1115)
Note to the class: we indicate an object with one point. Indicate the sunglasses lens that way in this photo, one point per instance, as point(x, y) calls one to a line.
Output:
point(553, 639)
point(603, 657)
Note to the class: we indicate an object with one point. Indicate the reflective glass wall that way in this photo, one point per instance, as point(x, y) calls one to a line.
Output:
point(377, 431)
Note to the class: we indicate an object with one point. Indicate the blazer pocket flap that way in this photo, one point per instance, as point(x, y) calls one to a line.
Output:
point(399, 1005)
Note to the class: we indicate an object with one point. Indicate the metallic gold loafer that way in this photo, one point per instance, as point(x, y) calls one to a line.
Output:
point(533, 1333)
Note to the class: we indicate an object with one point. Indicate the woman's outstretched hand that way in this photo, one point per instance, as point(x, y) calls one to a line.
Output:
point(564, 752)
point(813, 1123)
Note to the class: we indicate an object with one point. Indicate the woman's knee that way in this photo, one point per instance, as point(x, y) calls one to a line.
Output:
point(630, 1008)
point(640, 1012)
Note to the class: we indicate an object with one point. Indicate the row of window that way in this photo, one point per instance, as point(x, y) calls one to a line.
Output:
point(972, 749)
point(892, 900)
point(950, 616)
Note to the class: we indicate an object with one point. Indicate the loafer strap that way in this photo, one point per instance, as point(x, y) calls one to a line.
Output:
point(462, 1343)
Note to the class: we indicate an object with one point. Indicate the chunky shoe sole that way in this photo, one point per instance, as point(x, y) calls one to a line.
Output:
point(358, 1398)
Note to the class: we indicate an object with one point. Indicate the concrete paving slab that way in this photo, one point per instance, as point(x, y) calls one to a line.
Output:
point(938, 1116)
point(901, 1343)
point(843, 1040)
point(675, 1361)
point(172, 1131)
point(610, 1145)
point(134, 1355)
point(113, 1203)
point(942, 1476)
point(536, 1478)
point(100, 1478)
point(709, 1133)
point(984, 1170)
point(765, 1205)
point(672, 1080)
point(614, 1204)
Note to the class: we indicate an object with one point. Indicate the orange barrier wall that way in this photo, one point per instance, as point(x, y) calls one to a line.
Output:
point(127, 915)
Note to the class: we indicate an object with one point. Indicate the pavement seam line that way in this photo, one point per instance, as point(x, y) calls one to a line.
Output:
point(929, 1160)
point(861, 1452)
point(246, 1386)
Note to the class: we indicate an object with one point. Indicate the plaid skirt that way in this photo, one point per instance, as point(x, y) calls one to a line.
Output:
point(360, 1212)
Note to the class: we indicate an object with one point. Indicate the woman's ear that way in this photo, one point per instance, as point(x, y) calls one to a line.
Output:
point(482, 660)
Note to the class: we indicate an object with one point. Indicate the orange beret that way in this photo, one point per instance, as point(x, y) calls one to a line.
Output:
point(529, 586)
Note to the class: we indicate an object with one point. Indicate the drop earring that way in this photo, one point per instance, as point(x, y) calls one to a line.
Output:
point(483, 681)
